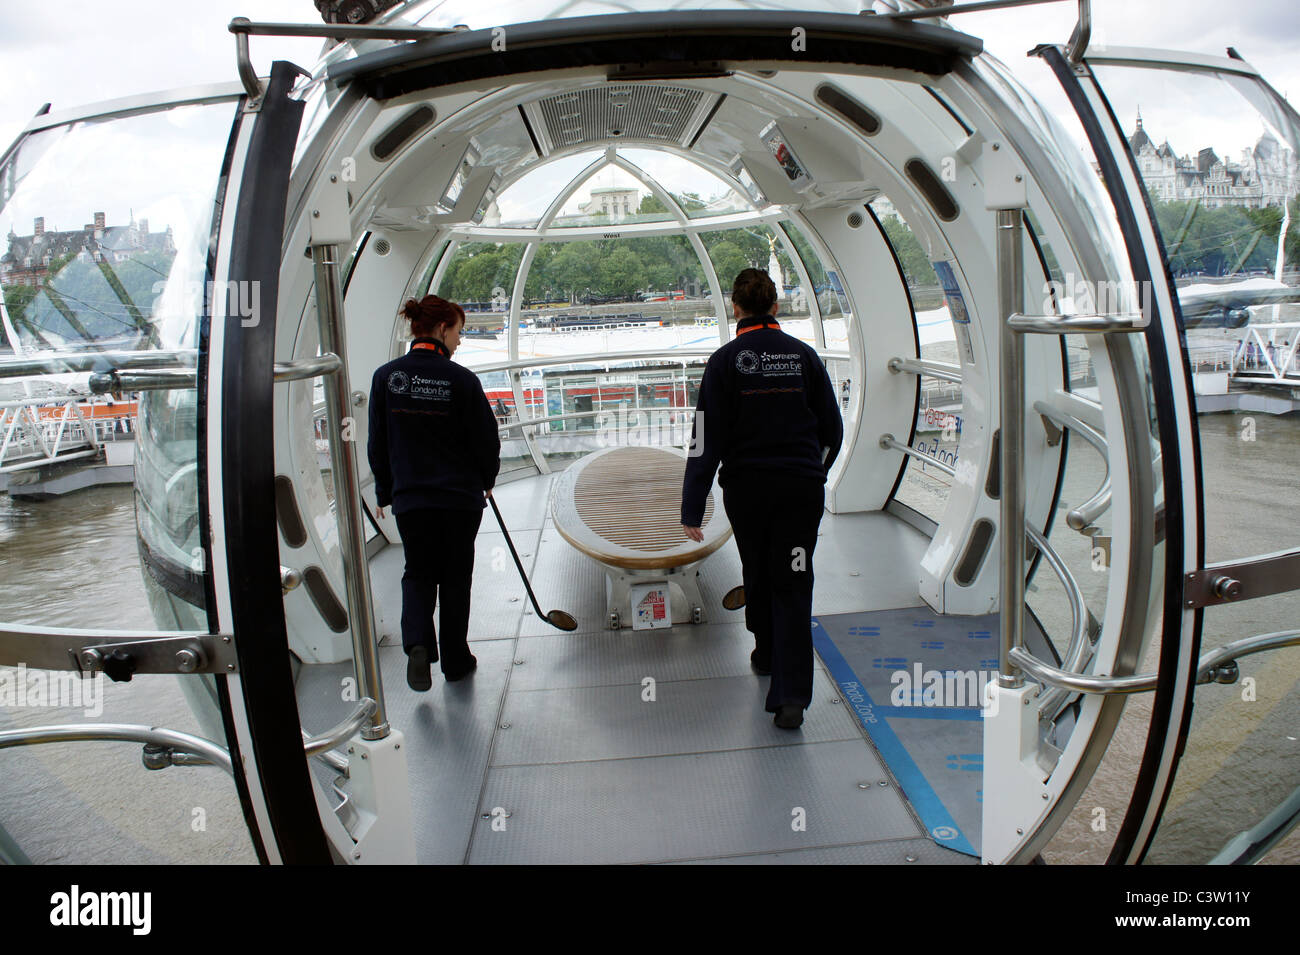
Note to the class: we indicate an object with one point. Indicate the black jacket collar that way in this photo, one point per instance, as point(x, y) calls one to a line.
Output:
point(438, 347)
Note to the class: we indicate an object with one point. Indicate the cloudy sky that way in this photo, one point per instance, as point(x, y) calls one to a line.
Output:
point(73, 52)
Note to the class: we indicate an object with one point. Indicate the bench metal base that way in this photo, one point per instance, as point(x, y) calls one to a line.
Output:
point(685, 580)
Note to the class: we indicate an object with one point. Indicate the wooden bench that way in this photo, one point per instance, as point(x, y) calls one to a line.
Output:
point(622, 508)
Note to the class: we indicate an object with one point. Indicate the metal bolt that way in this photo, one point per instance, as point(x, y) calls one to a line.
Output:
point(855, 573)
point(351, 750)
point(333, 178)
point(864, 785)
point(1226, 588)
point(187, 661)
point(1045, 796)
point(230, 667)
point(882, 782)
point(397, 746)
point(1019, 178)
point(1020, 832)
point(505, 726)
point(365, 755)
point(910, 858)
point(835, 699)
point(91, 659)
point(997, 146)
point(519, 663)
point(315, 213)
point(356, 853)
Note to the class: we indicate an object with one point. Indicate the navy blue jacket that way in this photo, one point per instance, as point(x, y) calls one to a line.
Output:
point(766, 408)
point(433, 437)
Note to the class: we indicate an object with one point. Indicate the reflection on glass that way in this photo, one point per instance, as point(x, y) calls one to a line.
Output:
point(107, 225)
point(1218, 155)
point(925, 488)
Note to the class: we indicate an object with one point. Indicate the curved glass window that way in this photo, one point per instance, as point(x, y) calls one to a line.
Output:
point(758, 246)
point(611, 196)
point(1220, 159)
point(104, 251)
point(938, 424)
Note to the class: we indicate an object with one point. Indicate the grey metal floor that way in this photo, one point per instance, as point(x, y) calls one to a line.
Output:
point(648, 747)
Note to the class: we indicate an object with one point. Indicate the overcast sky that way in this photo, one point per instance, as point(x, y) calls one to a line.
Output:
point(73, 52)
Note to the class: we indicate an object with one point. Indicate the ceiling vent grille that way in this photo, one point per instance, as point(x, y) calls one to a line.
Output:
point(621, 111)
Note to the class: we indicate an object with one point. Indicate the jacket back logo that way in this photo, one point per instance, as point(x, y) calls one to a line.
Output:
point(747, 362)
point(398, 383)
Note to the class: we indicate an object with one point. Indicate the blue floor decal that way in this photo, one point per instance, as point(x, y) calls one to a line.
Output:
point(914, 679)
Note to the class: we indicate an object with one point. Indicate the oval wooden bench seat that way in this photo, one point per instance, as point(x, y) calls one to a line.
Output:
point(622, 507)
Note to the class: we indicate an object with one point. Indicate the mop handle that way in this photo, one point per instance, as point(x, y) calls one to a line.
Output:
point(515, 555)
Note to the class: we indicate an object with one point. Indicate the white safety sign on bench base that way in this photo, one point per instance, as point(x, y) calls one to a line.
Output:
point(651, 605)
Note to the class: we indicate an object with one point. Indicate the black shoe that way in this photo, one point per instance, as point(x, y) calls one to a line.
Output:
point(418, 677)
point(757, 667)
point(452, 676)
point(789, 716)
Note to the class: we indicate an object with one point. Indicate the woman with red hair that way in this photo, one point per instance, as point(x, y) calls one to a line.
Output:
point(435, 453)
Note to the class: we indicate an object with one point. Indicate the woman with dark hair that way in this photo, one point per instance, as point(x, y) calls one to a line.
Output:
point(767, 413)
point(435, 453)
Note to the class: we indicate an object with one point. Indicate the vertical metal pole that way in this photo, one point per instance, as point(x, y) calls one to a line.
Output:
point(347, 488)
point(1011, 372)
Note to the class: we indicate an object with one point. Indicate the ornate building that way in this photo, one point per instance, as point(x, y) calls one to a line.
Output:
point(28, 258)
point(1266, 174)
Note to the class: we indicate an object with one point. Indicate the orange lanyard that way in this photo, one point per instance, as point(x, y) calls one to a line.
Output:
point(750, 328)
point(432, 347)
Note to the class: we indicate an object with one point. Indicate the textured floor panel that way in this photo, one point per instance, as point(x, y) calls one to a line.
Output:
point(497, 596)
point(606, 657)
point(564, 579)
point(689, 806)
point(448, 734)
point(899, 852)
point(524, 504)
point(866, 562)
point(688, 716)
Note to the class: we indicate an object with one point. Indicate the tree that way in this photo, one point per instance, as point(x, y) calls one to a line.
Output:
point(916, 264)
point(621, 272)
point(728, 261)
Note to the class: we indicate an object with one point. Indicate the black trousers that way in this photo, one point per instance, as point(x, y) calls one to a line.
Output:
point(775, 524)
point(439, 544)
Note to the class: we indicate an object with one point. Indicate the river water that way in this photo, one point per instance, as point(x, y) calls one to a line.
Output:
point(72, 562)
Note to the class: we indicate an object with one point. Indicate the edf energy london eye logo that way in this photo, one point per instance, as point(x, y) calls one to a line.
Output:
point(747, 362)
point(398, 383)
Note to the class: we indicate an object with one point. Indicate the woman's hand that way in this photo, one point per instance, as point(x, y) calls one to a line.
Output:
point(379, 512)
point(694, 533)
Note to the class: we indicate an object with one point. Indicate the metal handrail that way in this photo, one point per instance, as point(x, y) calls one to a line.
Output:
point(611, 358)
point(1083, 516)
point(1125, 323)
point(930, 369)
point(61, 363)
point(150, 379)
point(1213, 667)
point(330, 758)
point(343, 730)
point(1079, 646)
point(888, 441)
point(313, 367)
point(527, 422)
point(185, 743)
